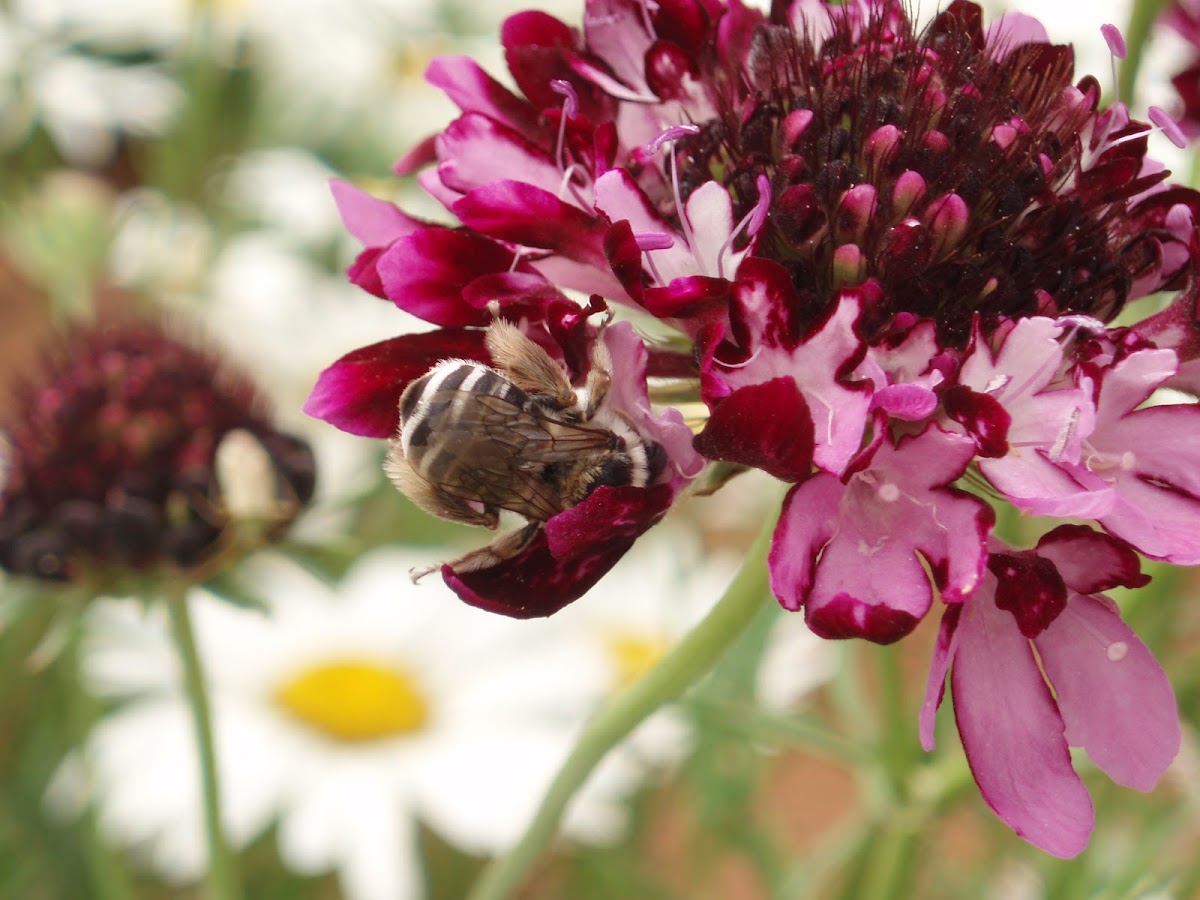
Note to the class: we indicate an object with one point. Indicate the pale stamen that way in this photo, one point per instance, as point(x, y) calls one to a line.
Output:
point(669, 136)
point(570, 109)
point(753, 222)
point(647, 8)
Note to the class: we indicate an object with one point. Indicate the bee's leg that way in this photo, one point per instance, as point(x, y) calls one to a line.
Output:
point(599, 378)
point(430, 498)
point(503, 548)
point(527, 365)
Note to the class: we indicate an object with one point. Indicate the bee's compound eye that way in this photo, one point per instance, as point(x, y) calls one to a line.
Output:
point(616, 471)
point(656, 460)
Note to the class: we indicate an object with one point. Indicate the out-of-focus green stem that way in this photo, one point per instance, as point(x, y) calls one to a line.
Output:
point(682, 667)
point(1141, 21)
point(108, 878)
point(222, 878)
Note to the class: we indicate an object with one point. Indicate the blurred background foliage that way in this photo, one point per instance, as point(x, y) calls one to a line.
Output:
point(172, 154)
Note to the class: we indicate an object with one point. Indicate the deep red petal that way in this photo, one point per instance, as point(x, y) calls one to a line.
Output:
point(567, 557)
point(360, 393)
point(766, 426)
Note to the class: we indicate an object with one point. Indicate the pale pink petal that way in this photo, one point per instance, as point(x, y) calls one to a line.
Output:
point(1114, 697)
point(375, 222)
point(939, 665)
point(1035, 484)
point(1012, 733)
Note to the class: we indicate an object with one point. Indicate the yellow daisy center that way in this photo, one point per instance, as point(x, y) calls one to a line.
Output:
point(635, 655)
point(353, 700)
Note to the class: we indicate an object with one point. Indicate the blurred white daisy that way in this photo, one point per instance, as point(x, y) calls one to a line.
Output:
point(623, 628)
point(347, 716)
point(61, 66)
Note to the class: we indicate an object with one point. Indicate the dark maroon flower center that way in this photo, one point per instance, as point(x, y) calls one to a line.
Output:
point(954, 173)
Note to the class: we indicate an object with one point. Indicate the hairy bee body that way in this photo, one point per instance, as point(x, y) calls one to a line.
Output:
point(474, 440)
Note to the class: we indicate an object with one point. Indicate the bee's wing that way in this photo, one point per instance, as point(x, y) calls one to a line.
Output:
point(504, 452)
point(428, 496)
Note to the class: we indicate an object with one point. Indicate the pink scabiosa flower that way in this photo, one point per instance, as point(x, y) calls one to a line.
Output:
point(1039, 622)
point(136, 449)
point(891, 257)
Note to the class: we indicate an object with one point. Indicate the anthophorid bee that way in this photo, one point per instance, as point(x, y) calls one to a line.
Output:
point(474, 440)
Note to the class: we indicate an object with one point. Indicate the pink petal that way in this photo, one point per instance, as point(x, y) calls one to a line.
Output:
point(474, 150)
point(939, 665)
point(426, 272)
point(375, 222)
point(614, 31)
point(1036, 485)
point(806, 523)
point(893, 519)
point(627, 393)
point(1012, 733)
point(524, 214)
point(1115, 698)
point(474, 90)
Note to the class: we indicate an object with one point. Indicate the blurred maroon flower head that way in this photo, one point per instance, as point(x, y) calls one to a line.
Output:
point(112, 455)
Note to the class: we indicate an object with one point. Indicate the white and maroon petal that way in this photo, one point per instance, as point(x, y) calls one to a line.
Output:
point(1012, 733)
point(360, 393)
point(839, 412)
point(574, 550)
point(581, 277)
point(375, 222)
point(710, 214)
point(1114, 697)
point(1091, 561)
point(627, 394)
point(766, 426)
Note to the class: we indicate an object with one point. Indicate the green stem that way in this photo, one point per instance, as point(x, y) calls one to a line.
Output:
point(222, 878)
point(682, 667)
point(108, 878)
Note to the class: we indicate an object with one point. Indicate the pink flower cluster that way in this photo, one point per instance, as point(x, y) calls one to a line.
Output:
point(892, 259)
